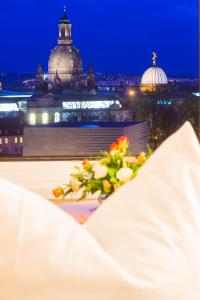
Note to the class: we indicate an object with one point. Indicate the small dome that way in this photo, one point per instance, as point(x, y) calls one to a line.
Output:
point(154, 76)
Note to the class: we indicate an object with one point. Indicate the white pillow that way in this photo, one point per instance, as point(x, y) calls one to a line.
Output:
point(46, 255)
point(151, 226)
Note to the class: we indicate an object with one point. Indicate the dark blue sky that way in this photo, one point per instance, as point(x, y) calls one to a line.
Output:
point(116, 35)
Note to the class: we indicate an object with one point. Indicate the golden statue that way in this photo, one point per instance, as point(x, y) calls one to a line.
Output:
point(154, 58)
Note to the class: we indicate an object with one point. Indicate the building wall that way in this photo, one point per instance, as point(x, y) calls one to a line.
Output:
point(80, 142)
point(11, 145)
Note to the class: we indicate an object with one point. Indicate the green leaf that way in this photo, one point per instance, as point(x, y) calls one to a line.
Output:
point(149, 151)
point(112, 172)
point(113, 180)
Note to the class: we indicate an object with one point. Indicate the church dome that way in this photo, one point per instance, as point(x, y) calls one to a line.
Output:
point(155, 76)
point(65, 67)
point(64, 62)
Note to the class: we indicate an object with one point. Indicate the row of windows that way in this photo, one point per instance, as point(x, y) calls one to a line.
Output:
point(16, 140)
point(45, 118)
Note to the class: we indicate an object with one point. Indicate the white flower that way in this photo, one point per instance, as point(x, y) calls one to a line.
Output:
point(131, 159)
point(100, 171)
point(87, 175)
point(124, 174)
point(75, 184)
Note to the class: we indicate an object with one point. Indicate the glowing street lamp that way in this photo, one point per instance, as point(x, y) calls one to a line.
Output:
point(131, 93)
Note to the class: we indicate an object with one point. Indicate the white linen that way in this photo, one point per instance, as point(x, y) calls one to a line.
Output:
point(151, 226)
point(145, 243)
point(40, 177)
point(46, 255)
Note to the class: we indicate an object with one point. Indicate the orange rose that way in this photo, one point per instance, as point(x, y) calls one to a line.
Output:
point(122, 138)
point(86, 164)
point(123, 142)
point(114, 147)
point(58, 192)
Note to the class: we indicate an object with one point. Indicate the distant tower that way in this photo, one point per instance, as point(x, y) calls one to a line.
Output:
point(65, 64)
point(39, 72)
point(41, 83)
point(91, 83)
point(65, 30)
point(39, 78)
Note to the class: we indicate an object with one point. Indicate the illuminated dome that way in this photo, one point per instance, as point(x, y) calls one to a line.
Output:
point(65, 64)
point(154, 78)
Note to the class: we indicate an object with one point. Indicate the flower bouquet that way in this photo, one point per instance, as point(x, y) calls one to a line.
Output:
point(104, 176)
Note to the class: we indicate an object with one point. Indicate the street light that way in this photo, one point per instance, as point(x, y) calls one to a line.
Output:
point(131, 93)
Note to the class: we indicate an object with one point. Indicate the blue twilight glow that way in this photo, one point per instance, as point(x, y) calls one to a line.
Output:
point(116, 35)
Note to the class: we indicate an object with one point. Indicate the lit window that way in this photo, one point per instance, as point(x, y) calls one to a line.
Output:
point(16, 140)
point(6, 140)
point(32, 119)
point(57, 117)
point(21, 140)
point(0, 141)
point(6, 107)
point(90, 104)
point(45, 118)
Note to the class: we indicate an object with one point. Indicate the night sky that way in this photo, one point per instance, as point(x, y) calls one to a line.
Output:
point(116, 35)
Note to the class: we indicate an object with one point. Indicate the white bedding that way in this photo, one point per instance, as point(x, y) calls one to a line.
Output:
point(45, 254)
point(143, 243)
point(151, 226)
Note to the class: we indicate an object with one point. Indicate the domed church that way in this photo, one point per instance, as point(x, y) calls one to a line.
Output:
point(154, 79)
point(65, 68)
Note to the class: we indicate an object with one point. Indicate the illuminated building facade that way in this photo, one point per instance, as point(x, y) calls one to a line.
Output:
point(44, 110)
point(75, 107)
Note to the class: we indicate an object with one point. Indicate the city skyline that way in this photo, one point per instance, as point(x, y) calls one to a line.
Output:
point(117, 36)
